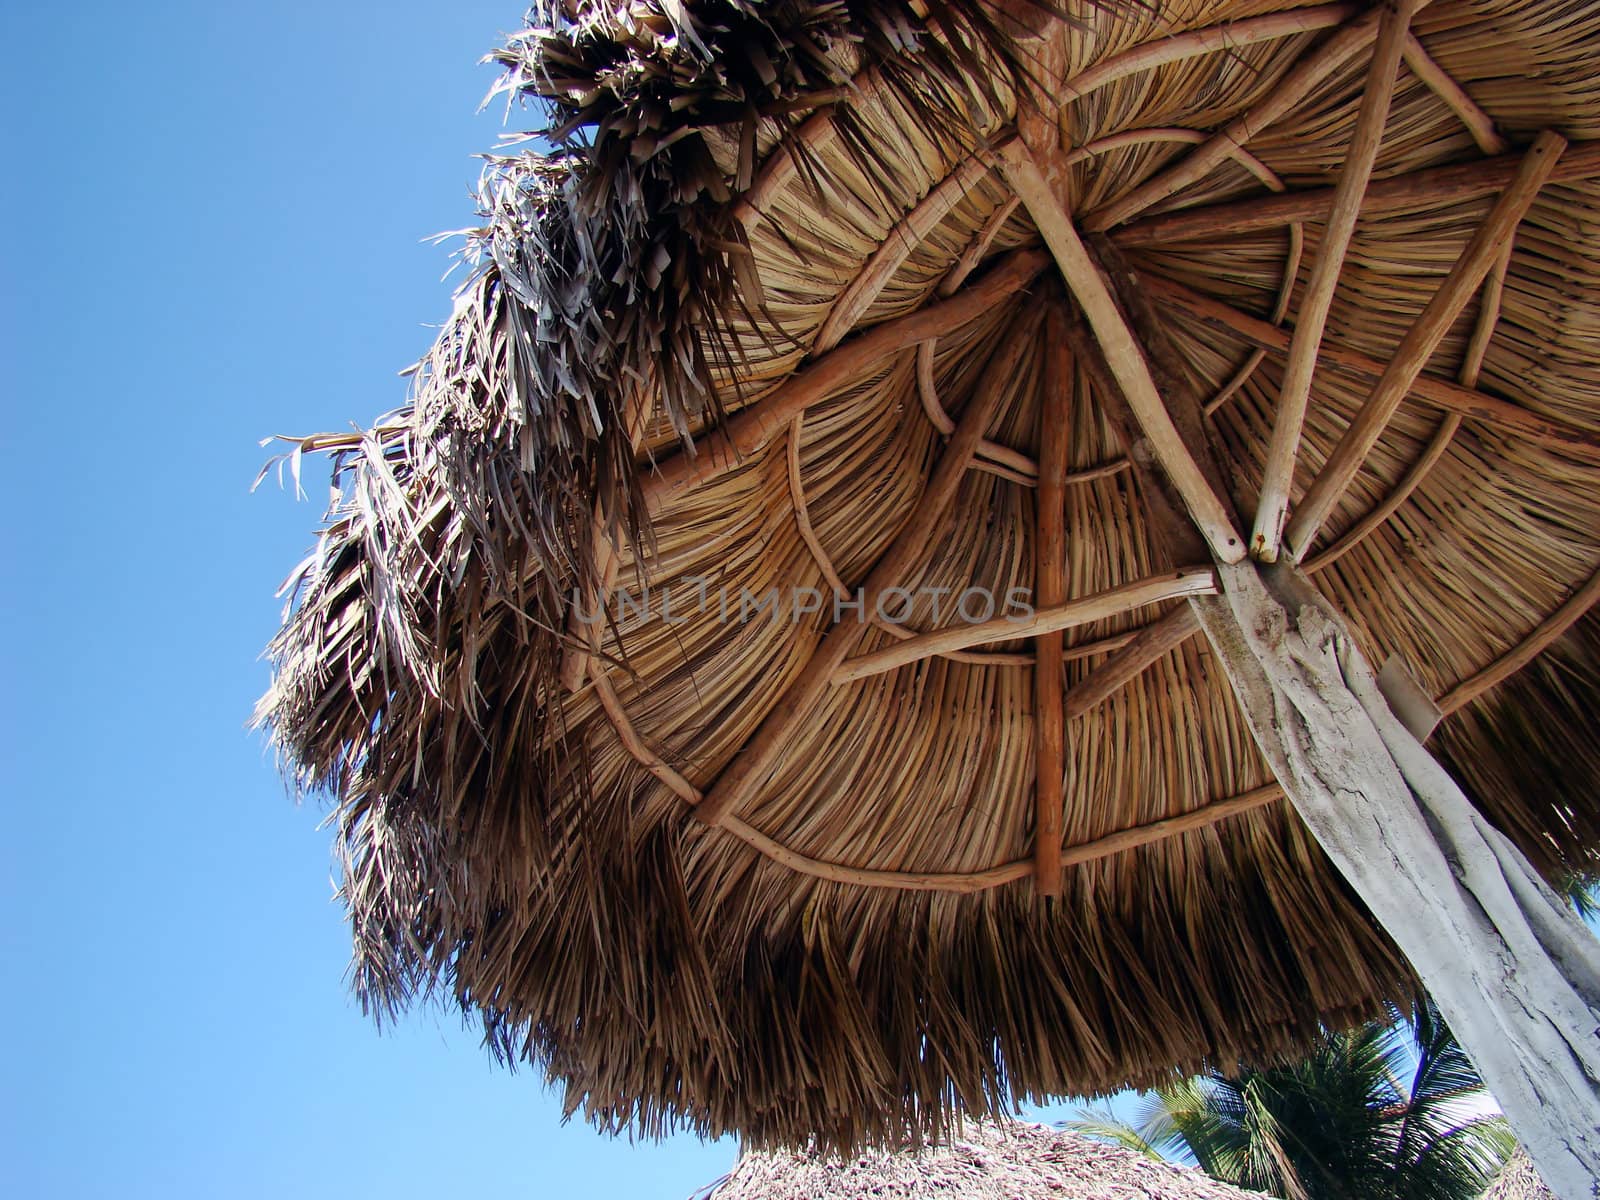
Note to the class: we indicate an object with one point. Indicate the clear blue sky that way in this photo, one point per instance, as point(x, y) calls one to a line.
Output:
point(212, 218)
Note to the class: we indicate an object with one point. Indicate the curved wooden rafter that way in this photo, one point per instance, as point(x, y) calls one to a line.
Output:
point(919, 881)
point(1128, 138)
point(996, 458)
point(1163, 51)
point(1524, 652)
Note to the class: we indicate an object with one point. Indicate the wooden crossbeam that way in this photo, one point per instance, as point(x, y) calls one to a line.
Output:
point(1419, 343)
point(1148, 646)
point(1441, 393)
point(1113, 602)
point(1272, 509)
point(752, 765)
point(1122, 353)
point(1416, 189)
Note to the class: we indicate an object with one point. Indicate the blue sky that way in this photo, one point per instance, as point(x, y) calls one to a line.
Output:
point(212, 232)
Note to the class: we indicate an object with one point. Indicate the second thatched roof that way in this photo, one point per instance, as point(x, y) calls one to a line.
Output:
point(1519, 1179)
point(986, 1162)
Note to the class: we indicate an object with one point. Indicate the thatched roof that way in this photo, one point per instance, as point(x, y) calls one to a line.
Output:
point(1518, 1180)
point(1010, 1162)
point(766, 315)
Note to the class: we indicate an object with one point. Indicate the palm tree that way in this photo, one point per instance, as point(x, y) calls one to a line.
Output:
point(1341, 1124)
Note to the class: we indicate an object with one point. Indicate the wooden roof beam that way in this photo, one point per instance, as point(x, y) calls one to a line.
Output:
point(1272, 509)
point(907, 234)
point(1479, 123)
point(1322, 61)
point(1524, 652)
point(753, 764)
point(1472, 364)
point(1472, 404)
point(1232, 35)
point(1416, 189)
point(723, 449)
point(1050, 589)
point(1123, 355)
point(1069, 614)
point(1417, 347)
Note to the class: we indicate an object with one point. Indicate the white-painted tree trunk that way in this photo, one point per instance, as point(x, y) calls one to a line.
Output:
point(1513, 970)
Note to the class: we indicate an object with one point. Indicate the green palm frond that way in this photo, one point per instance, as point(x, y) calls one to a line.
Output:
point(1390, 1109)
point(1106, 1126)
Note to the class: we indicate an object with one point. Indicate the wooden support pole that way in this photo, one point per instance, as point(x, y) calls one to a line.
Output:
point(1513, 970)
point(1320, 63)
point(1123, 355)
point(1420, 342)
point(752, 765)
point(1050, 589)
point(1113, 602)
point(1417, 189)
point(1441, 393)
point(1278, 472)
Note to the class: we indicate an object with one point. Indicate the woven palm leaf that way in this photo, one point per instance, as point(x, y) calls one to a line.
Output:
point(694, 358)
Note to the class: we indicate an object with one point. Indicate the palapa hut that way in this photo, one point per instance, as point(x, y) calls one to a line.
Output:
point(1517, 1180)
point(986, 1162)
point(972, 344)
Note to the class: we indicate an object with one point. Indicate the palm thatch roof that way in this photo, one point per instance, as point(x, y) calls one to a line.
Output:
point(1518, 1180)
point(769, 310)
point(1007, 1162)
